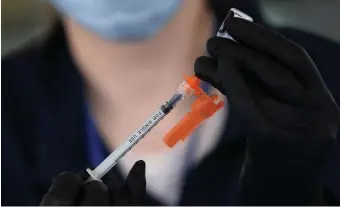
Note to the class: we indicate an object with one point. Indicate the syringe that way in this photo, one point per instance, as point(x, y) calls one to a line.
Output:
point(183, 90)
point(203, 107)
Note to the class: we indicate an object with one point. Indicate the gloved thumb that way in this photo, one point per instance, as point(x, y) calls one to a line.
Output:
point(136, 181)
point(206, 70)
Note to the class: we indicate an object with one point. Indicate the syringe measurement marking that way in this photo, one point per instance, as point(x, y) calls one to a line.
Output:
point(127, 145)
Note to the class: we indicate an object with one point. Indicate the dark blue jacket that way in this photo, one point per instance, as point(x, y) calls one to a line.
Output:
point(43, 130)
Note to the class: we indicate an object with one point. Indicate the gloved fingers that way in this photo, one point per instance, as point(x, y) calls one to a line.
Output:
point(63, 191)
point(206, 69)
point(125, 197)
point(136, 181)
point(238, 94)
point(95, 194)
point(274, 45)
point(278, 80)
point(233, 86)
point(114, 187)
point(83, 175)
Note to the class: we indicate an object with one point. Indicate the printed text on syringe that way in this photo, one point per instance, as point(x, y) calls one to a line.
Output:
point(146, 126)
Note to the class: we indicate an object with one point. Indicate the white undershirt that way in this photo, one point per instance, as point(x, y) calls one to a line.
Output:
point(164, 171)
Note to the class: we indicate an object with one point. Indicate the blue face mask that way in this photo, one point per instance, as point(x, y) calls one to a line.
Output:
point(122, 20)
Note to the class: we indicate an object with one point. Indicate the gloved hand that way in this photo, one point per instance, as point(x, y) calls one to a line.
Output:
point(69, 189)
point(290, 118)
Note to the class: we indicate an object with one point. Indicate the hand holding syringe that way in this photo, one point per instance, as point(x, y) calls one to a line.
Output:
point(203, 107)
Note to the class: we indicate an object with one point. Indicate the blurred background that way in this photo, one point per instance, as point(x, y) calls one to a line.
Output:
point(23, 18)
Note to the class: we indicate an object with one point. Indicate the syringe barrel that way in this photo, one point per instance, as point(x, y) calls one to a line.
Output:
point(113, 158)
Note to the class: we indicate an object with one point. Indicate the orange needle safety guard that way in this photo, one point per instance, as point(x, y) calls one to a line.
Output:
point(202, 108)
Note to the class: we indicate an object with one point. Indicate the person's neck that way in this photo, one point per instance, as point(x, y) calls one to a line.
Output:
point(120, 71)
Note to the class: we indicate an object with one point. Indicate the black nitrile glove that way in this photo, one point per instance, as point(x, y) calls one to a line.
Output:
point(69, 189)
point(290, 118)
